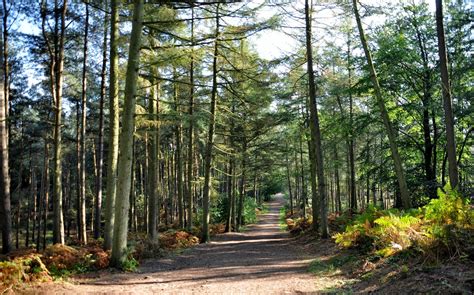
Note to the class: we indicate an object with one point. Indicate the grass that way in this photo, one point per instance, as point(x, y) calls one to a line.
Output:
point(282, 219)
point(331, 265)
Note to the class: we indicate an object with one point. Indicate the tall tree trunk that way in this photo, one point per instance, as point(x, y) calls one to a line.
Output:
point(59, 36)
point(351, 131)
point(170, 189)
point(189, 192)
point(179, 162)
point(230, 194)
point(112, 156)
point(153, 166)
point(5, 61)
point(336, 179)
point(133, 181)
point(29, 200)
point(447, 101)
point(119, 246)
point(82, 175)
point(314, 126)
point(406, 201)
point(288, 176)
point(303, 177)
point(45, 192)
point(41, 205)
point(34, 193)
point(68, 202)
point(5, 210)
point(100, 147)
point(242, 184)
point(210, 139)
point(315, 202)
point(78, 170)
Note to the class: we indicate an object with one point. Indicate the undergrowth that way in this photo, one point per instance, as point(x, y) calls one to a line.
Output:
point(61, 261)
point(55, 262)
point(444, 227)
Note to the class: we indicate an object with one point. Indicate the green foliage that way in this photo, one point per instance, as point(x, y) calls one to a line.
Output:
point(130, 264)
point(449, 219)
point(272, 185)
point(444, 221)
point(249, 214)
point(220, 207)
point(450, 209)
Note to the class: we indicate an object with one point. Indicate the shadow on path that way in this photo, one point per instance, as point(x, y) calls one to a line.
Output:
point(260, 260)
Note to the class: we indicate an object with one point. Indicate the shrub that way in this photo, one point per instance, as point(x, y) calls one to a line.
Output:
point(64, 260)
point(298, 225)
point(26, 268)
point(445, 221)
point(449, 222)
point(130, 264)
point(172, 239)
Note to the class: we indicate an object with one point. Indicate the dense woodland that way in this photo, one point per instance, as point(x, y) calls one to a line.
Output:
point(121, 117)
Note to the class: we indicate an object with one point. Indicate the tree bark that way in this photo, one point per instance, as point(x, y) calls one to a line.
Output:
point(314, 126)
point(337, 182)
point(100, 146)
point(45, 190)
point(82, 161)
point(59, 36)
point(5, 210)
point(210, 139)
point(303, 182)
point(242, 185)
point(119, 247)
point(189, 192)
point(112, 157)
point(406, 201)
point(230, 194)
point(179, 162)
point(290, 193)
point(153, 177)
point(447, 100)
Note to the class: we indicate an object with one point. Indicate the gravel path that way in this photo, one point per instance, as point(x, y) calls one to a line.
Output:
point(262, 260)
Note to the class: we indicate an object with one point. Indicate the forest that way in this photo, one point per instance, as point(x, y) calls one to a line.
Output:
point(133, 129)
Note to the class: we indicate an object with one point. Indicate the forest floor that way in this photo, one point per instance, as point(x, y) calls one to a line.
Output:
point(262, 260)
point(267, 260)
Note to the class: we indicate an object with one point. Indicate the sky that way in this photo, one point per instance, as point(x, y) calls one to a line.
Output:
point(274, 44)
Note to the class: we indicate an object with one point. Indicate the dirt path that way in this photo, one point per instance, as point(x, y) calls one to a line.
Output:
point(262, 260)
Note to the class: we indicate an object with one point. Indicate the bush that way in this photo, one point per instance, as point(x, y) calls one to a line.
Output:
point(172, 239)
point(249, 214)
point(64, 260)
point(445, 221)
point(298, 225)
point(168, 240)
point(26, 268)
